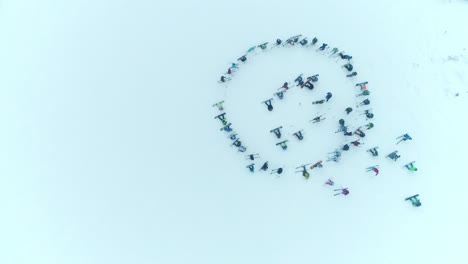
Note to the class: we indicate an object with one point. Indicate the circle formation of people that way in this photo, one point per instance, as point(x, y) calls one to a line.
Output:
point(300, 81)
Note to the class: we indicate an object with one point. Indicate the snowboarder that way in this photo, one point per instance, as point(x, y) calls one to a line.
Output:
point(278, 171)
point(351, 74)
point(277, 131)
point(314, 41)
point(345, 57)
point(319, 102)
point(374, 169)
point(280, 94)
point(313, 78)
point(374, 151)
point(345, 147)
point(282, 144)
point(348, 66)
point(299, 80)
point(359, 133)
point(365, 93)
point(263, 46)
point(414, 200)
point(369, 126)
point(304, 171)
point(333, 52)
point(362, 85)
point(224, 79)
point(343, 191)
point(243, 58)
point(348, 110)
point(330, 182)
point(268, 104)
point(219, 105)
point(365, 102)
point(264, 166)
point(394, 156)
point(329, 95)
point(404, 137)
point(324, 45)
point(410, 166)
point(299, 135)
point(222, 118)
point(251, 167)
point(308, 84)
point(318, 164)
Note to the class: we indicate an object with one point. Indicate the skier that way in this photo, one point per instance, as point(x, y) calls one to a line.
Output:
point(313, 78)
point(404, 137)
point(229, 71)
point(362, 85)
point(227, 128)
point(222, 118)
point(285, 86)
point(348, 110)
point(263, 46)
point(336, 156)
point(329, 95)
point(314, 41)
point(330, 182)
point(345, 57)
point(359, 133)
point(356, 143)
point(343, 191)
point(252, 156)
point(348, 66)
point(319, 102)
point(280, 94)
point(303, 42)
point(243, 58)
point(369, 126)
point(365, 102)
point(414, 200)
point(410, 166)
point(345, 147)
point(351, 74)
point(374, 169)
point(317, 119)
point(368, 113)
point(264, 166)
point(324, 45)
point(234, 66)
point(242, 149)
point(268, 104)
point(394, 156)
point(278, 171)
point(374, 151)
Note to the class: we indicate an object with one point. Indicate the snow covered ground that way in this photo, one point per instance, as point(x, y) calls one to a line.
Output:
point(110, 154)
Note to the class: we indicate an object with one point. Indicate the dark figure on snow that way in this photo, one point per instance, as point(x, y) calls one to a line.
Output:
point(345, 147)
point(343, 191)
point(348, 110)
point(394, 156)
point(348, 66)
point(278, 41)
point(404, 137)
point(278, 171)
point(243, 58)
point(351, 74)
point(365, 102)
point(314, 41)
point(345, 57)
point(285, 86)
point(303, 42)
point(329, 95)
point(319, 102)
point(264, 166)
point(374, 151)
point(324, 45)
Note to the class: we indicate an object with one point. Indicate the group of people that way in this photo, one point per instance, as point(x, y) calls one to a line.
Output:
point(308, 83)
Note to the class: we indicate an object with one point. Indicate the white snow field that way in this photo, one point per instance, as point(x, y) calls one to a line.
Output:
point(109, 152)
